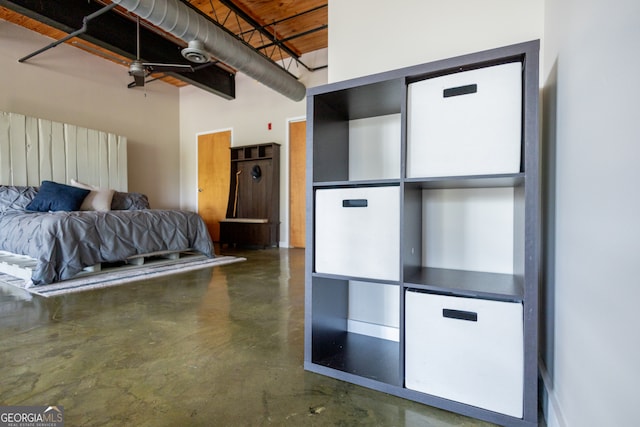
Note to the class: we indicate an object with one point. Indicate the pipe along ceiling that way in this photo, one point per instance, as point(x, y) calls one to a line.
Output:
point(188, 25)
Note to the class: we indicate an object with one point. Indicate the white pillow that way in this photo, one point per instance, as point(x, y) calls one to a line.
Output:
point(99, 199)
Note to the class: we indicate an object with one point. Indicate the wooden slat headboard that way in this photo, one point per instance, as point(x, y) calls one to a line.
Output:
point(33, 150)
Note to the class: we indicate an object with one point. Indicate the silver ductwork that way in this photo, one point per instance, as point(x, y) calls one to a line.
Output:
point(188, 25)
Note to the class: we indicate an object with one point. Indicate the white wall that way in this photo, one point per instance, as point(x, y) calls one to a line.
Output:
point(67, 85)
point(370, 36)
point(248, 117)
point(591, 124)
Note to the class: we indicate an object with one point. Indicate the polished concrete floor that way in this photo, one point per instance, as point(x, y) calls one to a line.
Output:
point(215, 347)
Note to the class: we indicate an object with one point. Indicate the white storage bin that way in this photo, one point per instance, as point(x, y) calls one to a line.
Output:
point(466, 123)
point(467, 350)
point(357, 232)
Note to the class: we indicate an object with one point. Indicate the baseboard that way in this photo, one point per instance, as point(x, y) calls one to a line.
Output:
point(373, 330)
point(550, 405)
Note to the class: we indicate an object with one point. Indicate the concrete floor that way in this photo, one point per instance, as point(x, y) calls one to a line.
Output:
point(215, 347)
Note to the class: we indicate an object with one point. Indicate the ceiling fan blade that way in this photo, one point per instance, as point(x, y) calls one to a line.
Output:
point(157, 68)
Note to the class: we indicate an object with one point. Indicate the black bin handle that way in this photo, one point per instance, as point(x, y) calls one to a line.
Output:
point(460, 90)
point(470, 316)
point(355, 203)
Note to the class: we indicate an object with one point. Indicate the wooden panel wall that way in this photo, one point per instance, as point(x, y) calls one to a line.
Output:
point(33, 150)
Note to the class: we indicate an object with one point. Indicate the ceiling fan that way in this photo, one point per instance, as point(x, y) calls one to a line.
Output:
point(139, 70)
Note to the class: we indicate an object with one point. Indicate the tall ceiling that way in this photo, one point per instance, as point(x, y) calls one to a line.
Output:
point(279, 30)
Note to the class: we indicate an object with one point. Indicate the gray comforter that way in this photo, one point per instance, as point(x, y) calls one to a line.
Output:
point(64, 243)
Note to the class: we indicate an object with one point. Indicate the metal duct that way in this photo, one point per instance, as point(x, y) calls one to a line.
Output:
point(188, 25)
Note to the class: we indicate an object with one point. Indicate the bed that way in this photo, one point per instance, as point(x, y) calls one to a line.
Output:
point(64, 243)
point(111, 225)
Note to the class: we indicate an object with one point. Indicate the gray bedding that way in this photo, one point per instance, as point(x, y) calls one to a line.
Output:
point(64, 243)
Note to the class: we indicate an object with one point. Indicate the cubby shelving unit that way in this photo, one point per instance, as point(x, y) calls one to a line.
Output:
point(423, 237)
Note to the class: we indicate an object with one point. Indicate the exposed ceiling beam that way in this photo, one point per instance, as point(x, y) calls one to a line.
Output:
point(116, 33)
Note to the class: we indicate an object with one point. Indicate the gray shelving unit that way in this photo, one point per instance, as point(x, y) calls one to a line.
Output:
point(335, 343)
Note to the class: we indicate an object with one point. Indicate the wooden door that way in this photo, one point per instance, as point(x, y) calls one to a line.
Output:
point(297, 183)
point(214, 167)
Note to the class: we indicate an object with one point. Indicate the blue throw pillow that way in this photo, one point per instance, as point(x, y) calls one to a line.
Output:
point(57, 197)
